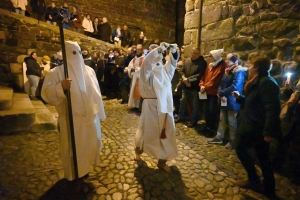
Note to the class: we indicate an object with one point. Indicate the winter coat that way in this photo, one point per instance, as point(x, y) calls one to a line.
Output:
point(212, 78)
point(261, 108)
point(33, 68)
point(19, 4)
point(105, 32)
point(53, 12)
point(193, 70)
point(233, 82)
point(115, 34)
point(87, 24)
point(76, 23)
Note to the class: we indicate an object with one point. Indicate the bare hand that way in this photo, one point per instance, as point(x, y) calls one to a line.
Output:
point(66, 84)
point(268, 138)
point(185, 80)
point(202, 89)
point(223, 99)
point(235, 94)
point(188, 84)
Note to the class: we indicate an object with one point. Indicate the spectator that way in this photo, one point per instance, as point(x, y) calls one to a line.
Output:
point(117, 36)
point(105, 30)
point(56, 60)
point(76, 20)
point(33, 73)
point(38, 8)
point(192, 71)
point(209, 84)
point(126, 37)
point(51, 14)
point(258, 125)
point(96, 27)
point(45, 65)
point(100, 72)
point(233, 80)
point(87, 58)
point(87, 25)
point(20, 6)
point(66, 22)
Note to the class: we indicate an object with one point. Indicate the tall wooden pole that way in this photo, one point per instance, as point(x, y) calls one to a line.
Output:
point(68, 95)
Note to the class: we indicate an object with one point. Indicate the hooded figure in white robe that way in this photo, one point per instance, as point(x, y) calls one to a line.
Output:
point(134, 73)
point(87, 109)
point(157, 116)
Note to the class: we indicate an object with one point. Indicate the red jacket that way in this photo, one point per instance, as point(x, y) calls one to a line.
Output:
point(212, 78)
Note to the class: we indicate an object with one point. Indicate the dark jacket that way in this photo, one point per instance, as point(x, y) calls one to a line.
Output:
point(193, 70)
point(232, 82)
point(78, 22)
point(115, 34)
point(53, 12)
point(261, 108)
point(105, 32)
point(33, 68)
point(126, 38)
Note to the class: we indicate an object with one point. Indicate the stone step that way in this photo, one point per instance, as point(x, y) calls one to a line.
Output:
point(6, 98)
point(20, 117)
point(44, 120)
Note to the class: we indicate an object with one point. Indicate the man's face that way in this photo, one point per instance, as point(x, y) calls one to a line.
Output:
point(195, 54)
point(125, 28)
point(53, 5)
point(116, 53)
point(139, 51)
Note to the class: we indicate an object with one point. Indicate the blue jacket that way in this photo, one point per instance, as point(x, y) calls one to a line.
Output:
point(233, 82)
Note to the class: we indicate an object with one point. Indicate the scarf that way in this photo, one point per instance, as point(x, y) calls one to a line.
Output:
point(213, 64)
point(229, 69)
point(249, 84)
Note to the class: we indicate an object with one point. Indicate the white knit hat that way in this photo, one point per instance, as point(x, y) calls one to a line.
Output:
point(217, 54)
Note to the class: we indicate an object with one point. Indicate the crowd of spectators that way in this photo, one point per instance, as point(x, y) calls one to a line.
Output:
point(98, 28)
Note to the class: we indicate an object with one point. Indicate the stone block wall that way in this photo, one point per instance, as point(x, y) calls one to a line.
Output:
point(19, 36)
point(154, 18)
point(249, 27)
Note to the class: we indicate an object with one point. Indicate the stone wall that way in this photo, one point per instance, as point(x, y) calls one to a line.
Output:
point(155, 18)
point(20, 35)
point(249, 27)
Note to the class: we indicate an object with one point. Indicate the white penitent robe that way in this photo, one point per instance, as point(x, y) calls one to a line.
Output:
point(135, 63)
point(156, 89)
point(87, 110)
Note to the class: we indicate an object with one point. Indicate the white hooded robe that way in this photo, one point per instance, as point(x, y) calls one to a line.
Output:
point(87, 110)
point(135, 75)
point(156, 89)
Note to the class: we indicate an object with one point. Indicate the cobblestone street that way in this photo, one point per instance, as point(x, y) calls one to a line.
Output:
point(30, 167)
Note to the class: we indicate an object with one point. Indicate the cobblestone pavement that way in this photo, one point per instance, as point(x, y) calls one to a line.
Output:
point(30, 167)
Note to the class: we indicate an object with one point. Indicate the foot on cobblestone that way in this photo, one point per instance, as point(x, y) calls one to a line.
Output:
point(137, 157)
point(228, 146)
point(191, 124)
point(255, 186)
point(166, 168)
point(177, 120)
point(216, 140)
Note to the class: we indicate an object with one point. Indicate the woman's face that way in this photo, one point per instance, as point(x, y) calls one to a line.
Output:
point(252, 70)
point(96, 20)
point(228, 62)
point(34, 55)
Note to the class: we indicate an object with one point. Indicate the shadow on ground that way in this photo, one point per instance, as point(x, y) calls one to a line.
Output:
point(153, 180)
point(64, 190)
